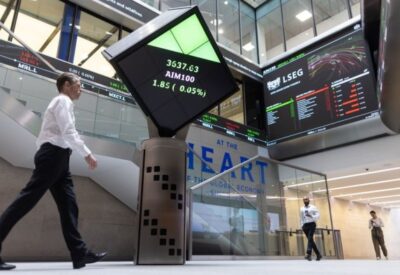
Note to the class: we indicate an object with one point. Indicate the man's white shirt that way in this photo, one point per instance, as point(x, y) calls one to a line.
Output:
point(312, 211)
point(58, 126)
point(375, 223)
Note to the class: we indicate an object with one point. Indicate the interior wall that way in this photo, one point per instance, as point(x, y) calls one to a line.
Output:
point(105, 223)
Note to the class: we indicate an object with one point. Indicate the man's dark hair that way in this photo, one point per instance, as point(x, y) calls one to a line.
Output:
point(372, 212)
point(66, 77)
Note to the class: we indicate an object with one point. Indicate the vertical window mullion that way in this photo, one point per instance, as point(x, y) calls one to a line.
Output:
point(14, 19)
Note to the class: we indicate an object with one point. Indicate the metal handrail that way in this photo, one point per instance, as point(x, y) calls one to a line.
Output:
point(244, 163)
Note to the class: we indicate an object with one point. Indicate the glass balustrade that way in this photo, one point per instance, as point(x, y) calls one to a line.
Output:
point(254, 210)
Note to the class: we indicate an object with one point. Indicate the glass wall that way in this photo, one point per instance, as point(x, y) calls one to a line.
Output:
point(248, 32)
point(355, 7)
point(255, 210)
point(39, 23)
point(168, 4)
point(297, 21)
point(208, 9)
point(232, 108)
point(329, 13)
point(283, 25)
point(152, 3)
point(228, 24)
point(270, 30)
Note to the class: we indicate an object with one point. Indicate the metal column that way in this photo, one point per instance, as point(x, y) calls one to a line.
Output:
point(161, 222)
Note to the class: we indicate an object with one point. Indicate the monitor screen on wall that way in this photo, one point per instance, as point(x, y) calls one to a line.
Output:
point(328, 85)
point(173, 68)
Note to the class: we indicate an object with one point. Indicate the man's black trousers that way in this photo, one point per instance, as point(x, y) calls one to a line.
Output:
point(51, 172)
point(309, 230)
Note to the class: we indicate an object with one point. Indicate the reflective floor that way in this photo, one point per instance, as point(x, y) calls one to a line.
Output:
point(270, 267)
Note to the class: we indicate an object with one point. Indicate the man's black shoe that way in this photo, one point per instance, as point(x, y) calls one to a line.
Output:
point(308, 257)
point(4, 266)
point(319, 257)
point(89, 258)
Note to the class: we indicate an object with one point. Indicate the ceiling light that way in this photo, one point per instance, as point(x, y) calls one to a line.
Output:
point(304, 15)
point(226, 2)
point(248, 47)
point(220, 31)
point(214, 22)
point(377, 198)
point(367, 192)
point(386, 202)
point(346, 177)
point(359, 185)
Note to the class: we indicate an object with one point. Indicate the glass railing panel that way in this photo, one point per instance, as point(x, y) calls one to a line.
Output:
point(197, 170)
point(224, 223)
point(259, 204)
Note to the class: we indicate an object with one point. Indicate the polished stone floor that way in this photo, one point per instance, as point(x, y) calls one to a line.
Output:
point(270, 267)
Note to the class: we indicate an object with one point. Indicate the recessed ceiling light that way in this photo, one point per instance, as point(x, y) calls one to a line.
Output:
point(345, 177)
point(377, 198)
point(248, 47)
point(386, 202)
point(220, 31)
point(361, 184)
point(367, 192)
point(226, 2)
point(304, 15)
point(214, 22)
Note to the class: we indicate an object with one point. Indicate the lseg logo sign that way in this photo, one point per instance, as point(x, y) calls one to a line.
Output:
point(285, 79)
point(274, 84)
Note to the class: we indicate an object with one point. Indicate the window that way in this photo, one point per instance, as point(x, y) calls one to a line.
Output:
point(270, 30)
point(249, 38)
point(228, 24)
point(297, 21)
point(232, 108)
point(6, 15)
point(329, 13)
point(208, 10)
point(152, 3)
point(355, 7)
point(168, 4)
point(94, 36)
point(39, 24)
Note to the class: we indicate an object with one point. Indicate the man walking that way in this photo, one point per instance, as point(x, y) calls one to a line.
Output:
point(309, 214)
point(376, 224)
point(56, 140)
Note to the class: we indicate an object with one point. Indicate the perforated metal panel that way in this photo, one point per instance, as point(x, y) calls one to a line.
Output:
point(161, 236)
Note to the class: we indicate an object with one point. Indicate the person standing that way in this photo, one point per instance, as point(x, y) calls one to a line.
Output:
point(376, 224)
point(56, 140)
point(309, 215)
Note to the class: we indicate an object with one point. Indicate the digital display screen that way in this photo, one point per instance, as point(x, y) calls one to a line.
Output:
point(232, 128)
point(320, 88)
point(176, 73)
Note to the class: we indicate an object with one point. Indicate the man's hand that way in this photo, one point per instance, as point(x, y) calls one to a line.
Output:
point(91, 161)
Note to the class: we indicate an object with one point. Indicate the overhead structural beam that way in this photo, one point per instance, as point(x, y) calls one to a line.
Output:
point(100, 44)
point(51, 36)
point(7, 11)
